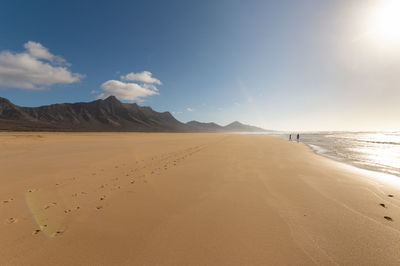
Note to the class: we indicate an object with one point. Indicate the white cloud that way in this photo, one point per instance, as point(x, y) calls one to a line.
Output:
point(127, 91)
point(37, 50)
point(189, 109)
point(131, 91)
point(144, 77)
point(34, 69)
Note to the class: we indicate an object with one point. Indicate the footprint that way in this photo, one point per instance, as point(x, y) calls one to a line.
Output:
point(99, 207)
point(11, 220)
point(383, 205)
point(67, 211)
point(390, 196)
point(57, 233)
point(31, 190)
point(103, 197)
point(133, 182)
point(37, 231)
point(8, 201)
point(388, 218)
point(49, 205)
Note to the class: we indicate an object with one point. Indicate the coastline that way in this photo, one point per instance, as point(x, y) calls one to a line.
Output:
point(330, 153)
point(194, 199)
point(372, 175)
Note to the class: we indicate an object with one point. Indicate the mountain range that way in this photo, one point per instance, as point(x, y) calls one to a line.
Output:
point(102, 115)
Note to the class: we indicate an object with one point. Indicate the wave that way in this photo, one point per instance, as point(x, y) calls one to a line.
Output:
point(373, 151)
point(378, 142)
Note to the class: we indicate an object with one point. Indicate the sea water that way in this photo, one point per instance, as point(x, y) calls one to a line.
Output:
point(377, 151)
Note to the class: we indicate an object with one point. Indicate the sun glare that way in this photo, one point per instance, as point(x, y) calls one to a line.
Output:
point(385, 22)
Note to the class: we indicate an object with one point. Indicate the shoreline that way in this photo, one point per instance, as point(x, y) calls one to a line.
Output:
point(349, 163)
point(321, 151)
point(372, 175)
point(353, 167)
point(189, 199)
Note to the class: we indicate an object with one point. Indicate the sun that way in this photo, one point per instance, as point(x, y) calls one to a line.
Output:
point(385, 22)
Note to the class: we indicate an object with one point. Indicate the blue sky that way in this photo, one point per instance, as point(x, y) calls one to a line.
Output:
point(286, 65)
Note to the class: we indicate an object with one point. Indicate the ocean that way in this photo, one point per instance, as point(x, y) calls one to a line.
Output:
point(376, 151)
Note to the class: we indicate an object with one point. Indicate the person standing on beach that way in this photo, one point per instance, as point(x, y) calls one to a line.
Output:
point(290, 137)
point(298, 137)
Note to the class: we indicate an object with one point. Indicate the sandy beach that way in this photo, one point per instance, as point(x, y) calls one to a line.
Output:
point(188, 199)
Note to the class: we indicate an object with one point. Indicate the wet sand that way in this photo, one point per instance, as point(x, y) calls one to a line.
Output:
point(188, 199)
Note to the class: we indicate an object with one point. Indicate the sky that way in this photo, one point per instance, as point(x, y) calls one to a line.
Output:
point(284, 65)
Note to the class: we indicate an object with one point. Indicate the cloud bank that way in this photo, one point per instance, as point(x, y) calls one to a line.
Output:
point(131, 91)
point(34, 69)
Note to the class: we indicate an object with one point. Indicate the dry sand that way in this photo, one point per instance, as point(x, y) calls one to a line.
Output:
point(188, 199)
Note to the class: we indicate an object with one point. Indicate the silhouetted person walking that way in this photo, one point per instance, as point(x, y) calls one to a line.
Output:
point(290, 137)
point(298, 137)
